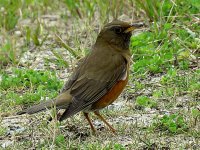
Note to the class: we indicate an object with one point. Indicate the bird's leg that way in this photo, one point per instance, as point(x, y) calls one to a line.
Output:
point(101, 117)
point(90, 122)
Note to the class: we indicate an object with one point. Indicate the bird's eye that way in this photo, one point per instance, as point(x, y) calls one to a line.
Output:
point(117, 30)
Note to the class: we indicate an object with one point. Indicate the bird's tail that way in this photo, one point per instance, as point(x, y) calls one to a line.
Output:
point(61, 102)
point(38, 108)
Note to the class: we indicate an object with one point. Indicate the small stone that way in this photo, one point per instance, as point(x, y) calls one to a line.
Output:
point(7, 143)
point(2, 9)
point(18, 33)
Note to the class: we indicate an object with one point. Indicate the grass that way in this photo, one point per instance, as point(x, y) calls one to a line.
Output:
point(40, 44)
point(174, 123)
point(25, 85)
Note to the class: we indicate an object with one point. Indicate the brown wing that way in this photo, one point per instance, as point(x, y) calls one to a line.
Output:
point(93, 80)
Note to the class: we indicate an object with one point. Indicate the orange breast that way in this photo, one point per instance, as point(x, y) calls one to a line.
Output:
point(111, 96)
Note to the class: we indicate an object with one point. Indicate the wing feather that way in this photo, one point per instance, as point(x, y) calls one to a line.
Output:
point(94, 84)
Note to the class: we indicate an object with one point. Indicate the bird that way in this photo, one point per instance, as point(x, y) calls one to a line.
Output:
point(99, 77)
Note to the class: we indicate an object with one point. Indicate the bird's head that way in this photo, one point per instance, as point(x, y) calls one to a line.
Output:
point(118, 33)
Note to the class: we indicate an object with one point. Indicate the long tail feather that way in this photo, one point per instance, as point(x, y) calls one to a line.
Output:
point(38, 108)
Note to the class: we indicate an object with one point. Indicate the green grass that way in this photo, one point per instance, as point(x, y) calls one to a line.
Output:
point(7, 54)
point(173, 46)
point(23, 86)
point(173, 123)
point(143, 101)
point(2, 131)
point(161, 103)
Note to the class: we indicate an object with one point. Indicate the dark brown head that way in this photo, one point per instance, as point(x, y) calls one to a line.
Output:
point(117, 33)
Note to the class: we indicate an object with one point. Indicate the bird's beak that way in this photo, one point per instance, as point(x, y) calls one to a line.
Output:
point(134, 26)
